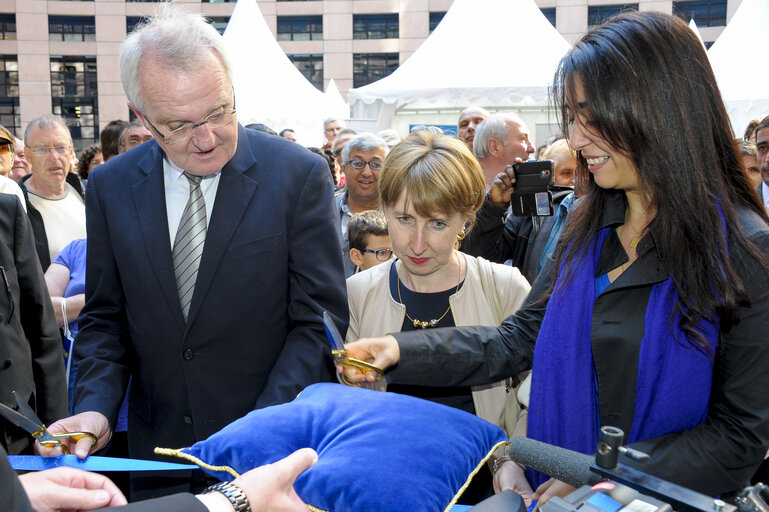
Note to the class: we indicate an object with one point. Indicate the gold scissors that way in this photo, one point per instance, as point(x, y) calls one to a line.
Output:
point(27, 419)
point(339, 353)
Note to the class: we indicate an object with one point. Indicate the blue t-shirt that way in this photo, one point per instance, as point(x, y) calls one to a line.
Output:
point(73, 257)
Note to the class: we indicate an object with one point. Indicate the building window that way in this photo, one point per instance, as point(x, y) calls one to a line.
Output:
point(706, 13)
point(549, 13)
point(217, 1)
point(435, 18)
point(311, 66)
point(71, 28)
point(9, 93)
point(300, 28)
point(370, 67)
point(597, 14)
point(375, 26)
point(142, 1)
point(219, 22)
point(75, 97)
point(131, 23)
point(7, 26)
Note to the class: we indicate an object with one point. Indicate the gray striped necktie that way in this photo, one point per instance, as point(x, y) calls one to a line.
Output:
point(188, 244)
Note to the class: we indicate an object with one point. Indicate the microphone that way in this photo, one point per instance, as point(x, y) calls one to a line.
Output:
point(565, 465)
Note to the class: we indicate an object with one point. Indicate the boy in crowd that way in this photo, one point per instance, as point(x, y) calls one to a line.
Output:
point(369, 239)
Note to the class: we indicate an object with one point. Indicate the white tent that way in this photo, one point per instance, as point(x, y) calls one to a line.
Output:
point(696, 30)
point(742, 79)
point(268, 87)
point(493, 53)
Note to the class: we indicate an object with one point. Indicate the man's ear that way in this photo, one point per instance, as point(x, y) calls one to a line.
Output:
point(139, 116)
point(356, 257)
point(493, 147)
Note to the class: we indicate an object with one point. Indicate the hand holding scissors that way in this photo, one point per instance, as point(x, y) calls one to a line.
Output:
point(351, 365)
point(27, 419)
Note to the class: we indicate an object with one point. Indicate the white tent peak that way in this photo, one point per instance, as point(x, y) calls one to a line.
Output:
point(269, 89)
point(696, 30)
point(741, 80)
point(492, 52)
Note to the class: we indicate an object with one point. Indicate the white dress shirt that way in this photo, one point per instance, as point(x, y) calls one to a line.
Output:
point(177, 188)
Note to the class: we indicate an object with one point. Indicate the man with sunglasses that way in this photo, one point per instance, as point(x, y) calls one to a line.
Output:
point(212, 254)
point(54, 197)
point(362, 159)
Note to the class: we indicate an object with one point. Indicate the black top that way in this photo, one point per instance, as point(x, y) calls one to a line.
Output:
point(427, 306)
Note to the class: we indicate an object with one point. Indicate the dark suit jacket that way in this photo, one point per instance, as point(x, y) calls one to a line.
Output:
point(14, 499)
point(254, 337)
point(31, 357)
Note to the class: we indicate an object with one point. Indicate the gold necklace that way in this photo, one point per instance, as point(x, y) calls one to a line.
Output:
point(433, 322)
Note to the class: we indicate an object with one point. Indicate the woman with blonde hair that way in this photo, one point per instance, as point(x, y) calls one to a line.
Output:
point(430, 188)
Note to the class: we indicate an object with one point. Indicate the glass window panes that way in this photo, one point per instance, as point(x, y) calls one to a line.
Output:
point(131, 22)
point(74, 96)
point(705, 13)
point(375, 26)
point(370, 67)
point(549, 13)
point(300, 28)
point(597, 14)
point(7, 25)
point(219, 22)
point(71, 28)
point(311, 66)
point(435, 18)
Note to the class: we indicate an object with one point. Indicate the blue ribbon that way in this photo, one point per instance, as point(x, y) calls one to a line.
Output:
point(93, 463)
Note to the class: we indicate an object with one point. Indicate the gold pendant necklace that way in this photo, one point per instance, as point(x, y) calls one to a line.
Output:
point(433, 322)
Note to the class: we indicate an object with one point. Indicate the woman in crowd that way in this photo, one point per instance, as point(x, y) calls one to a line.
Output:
point(89, 158)
point(431, 186)
point(653, 314)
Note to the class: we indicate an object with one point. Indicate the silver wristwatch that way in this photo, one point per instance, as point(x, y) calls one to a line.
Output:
point(233, 493)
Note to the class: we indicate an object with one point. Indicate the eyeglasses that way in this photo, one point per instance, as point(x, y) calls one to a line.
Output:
point(45, 151)
point(360, 164)
point(220, 117)
point(6, 148)
point(381, 254)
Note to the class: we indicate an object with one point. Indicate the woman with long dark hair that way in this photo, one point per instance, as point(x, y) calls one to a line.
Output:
point(653, 315)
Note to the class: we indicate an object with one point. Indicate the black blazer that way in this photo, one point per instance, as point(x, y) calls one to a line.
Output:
point(31, 355)
point(254, 337)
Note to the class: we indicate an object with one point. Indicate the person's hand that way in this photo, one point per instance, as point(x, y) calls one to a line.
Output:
point(551, 488)
point(61, 489)
point(270, 488)
point(382, 352)
point(503, 185)
point(511, 476)
point(91, 421)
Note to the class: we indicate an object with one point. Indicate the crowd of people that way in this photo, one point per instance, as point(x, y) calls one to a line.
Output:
point(173, 277)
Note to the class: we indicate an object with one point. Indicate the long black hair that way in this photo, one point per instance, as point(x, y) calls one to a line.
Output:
point(651, 94)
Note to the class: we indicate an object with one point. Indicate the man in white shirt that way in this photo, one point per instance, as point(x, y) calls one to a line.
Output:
point(55, 203)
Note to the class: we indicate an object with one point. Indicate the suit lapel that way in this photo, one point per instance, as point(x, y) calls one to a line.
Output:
point(233, 197)
point(150, 200)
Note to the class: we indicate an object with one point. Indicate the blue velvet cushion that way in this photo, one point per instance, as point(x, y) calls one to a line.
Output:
point(376, 451)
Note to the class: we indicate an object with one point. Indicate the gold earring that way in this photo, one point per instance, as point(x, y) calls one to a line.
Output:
point(461, 235)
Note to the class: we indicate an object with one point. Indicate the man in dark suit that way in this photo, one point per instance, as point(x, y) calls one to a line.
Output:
point(31, 361)
point(212, 253)
point(762, 148)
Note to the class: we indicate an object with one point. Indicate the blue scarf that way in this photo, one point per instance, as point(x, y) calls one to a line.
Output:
point(674, 378)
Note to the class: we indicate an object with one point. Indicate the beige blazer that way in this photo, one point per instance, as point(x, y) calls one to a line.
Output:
point(374, 312)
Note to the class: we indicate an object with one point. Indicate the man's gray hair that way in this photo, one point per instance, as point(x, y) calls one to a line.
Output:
point(366, 141)
point(46, 121)
point(330, 120)
point(174, 36)
point(494, 127)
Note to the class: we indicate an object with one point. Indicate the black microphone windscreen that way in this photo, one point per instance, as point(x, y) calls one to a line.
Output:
point(565, 465)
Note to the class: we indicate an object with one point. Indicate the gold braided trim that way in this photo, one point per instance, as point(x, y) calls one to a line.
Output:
point(474, 472)
point(179, 453)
